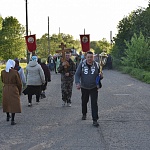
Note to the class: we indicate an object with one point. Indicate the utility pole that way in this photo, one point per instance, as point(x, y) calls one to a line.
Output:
point(48, 39)
point(28, 54)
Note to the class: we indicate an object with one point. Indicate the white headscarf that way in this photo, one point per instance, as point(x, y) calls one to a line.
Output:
point(10, 64)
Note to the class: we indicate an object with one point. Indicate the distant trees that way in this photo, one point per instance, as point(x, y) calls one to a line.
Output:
point(55, 41)
point(100, 46)
point(12, 43)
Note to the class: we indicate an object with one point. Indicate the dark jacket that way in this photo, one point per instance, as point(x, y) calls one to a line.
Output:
point(71, 70)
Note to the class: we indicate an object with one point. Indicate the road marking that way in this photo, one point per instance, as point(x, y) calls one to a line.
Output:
point(122, 94)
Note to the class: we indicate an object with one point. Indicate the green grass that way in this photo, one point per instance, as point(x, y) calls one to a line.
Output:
point(2, 67)
point(139, 74)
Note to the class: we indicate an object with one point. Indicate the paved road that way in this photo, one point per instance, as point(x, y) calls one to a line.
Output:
point(124, 117)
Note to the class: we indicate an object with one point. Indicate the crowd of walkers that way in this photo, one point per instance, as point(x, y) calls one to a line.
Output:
point(84, 69)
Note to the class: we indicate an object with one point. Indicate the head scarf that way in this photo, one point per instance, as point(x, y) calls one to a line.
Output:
point(10, 64)
point(34, 58)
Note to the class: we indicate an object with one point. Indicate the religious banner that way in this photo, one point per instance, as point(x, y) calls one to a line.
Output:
point(85, 42)
point(31, 42)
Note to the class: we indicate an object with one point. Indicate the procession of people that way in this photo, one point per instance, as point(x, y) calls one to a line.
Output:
point(84, 69)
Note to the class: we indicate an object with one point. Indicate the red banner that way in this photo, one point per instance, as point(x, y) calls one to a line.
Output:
point(31, 42)
point(85, 42)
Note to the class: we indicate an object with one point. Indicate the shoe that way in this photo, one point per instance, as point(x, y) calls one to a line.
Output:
point(95, 123)
point(37, 102)
point(44, 96)
point(63, 103)
point(7, 119)
point(69, 104)
point(41, 96)
point(84, 117)
point(30, 104)
point(13, 122)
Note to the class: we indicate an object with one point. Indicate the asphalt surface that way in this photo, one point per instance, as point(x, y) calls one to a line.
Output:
point(124, 118)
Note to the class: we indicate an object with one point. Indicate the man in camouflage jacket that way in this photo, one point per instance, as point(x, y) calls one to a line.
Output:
point(67, 70)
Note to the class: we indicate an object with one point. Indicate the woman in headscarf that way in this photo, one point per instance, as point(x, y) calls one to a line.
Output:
point(11, 92)
point(35, 78)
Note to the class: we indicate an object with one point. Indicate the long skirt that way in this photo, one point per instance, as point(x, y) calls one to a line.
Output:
point(32, 90)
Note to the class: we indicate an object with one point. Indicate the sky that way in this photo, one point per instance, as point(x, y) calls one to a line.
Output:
point(97, 17)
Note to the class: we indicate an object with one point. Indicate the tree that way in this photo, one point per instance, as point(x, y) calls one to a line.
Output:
point(100, 46)
point(12, 43)
point(137, 21)
point(1, 20)
point(137, 53)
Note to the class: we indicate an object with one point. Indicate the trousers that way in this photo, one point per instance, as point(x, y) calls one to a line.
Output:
point(93, 94)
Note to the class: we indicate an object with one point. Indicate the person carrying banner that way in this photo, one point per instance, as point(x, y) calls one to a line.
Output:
point(85, 79)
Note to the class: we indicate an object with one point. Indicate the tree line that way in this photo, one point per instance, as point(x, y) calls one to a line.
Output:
point(132, 43)
point(12, 41)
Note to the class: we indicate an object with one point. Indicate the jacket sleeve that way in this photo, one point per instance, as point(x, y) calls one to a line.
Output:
point(19, 83)
point(73, 69)
point(78, 74)
point(23, 78)
point(60, 68)
point(42, 74)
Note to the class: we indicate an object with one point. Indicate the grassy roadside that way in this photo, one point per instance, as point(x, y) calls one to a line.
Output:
point(2, 67)
point(139, 74)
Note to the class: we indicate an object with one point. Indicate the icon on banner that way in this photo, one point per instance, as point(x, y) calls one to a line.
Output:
point(30, 39)
point(84, 39)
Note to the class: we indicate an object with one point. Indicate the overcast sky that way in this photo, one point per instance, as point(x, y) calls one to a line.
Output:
point(98, 17)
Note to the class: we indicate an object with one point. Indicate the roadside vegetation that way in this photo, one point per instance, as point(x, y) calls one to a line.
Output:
point(131, 46)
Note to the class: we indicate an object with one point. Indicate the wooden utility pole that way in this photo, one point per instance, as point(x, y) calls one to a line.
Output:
point(48, 39)
point(28, 54)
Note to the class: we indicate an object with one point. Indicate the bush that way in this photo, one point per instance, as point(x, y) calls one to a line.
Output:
point(139, 74)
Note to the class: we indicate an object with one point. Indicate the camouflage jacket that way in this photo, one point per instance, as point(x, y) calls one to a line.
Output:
point(71, 70)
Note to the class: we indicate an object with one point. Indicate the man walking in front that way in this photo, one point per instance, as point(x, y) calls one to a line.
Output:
point(85, 78)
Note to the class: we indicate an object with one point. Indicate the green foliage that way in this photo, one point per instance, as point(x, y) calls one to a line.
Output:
point(137, 53)
point(139, 74)
point(1, 20)
point(55, 41)
point(138, 21)
point(12, 43)
point(100, 46)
